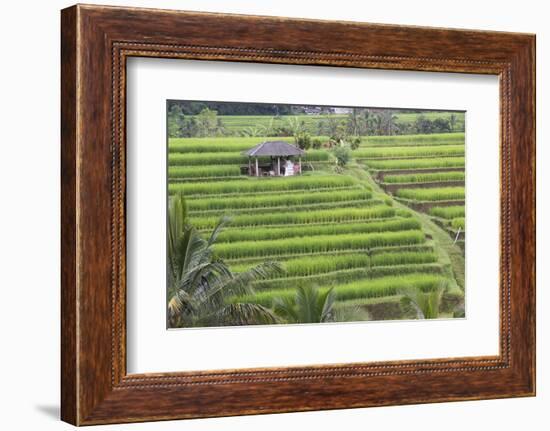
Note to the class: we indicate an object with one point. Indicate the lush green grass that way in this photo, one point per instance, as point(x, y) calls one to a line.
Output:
point(320, 264)
point(295, 199)
point(203, 171)
point(259, 233)
point(222, 145)
point(409, 151)
point(432, 194)
point(443, 162)
point(232, 158)
point(259, 185)
point(402, 258)
point(458, 223)
point(319, 243)
point(448, 212)
point(424, 178)
point(313, 265)
point(345, 276)
point(300, 217)
point(369, 288)
point(413, 140)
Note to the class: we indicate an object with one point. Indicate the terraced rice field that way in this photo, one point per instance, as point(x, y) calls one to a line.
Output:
point(424, 172)
point(326, 229)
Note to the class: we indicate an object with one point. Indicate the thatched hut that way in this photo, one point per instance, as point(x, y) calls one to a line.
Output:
point(277, 151)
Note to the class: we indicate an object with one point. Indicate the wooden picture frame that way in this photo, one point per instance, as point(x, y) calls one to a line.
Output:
point(96, 41)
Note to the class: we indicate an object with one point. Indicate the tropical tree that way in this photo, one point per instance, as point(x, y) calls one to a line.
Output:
point(425, 304)
point(309, 305)
point(175, 121)
point(354, 122)
point(295, 125)
point(208, 123)
point(253, 132)
point(389, 121)
point(201, 286)
point(269, 128)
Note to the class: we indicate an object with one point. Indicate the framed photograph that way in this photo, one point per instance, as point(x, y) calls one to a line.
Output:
point(260, 217)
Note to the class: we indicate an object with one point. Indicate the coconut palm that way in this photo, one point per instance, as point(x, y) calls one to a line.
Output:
point(200, 285)
point(309, 305)
point(426, 304)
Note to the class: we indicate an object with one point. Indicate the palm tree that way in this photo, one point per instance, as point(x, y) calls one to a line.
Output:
point(308, 306)
point(426, 304)
point(200, 285)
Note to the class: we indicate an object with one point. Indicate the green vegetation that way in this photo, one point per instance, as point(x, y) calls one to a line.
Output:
point(317, 244)
point(302, 217)
point(419, 151)
point(370, 288)
point(203, 171)
point(414, 140)
point(425, 178)
point(448, 212)
point(443, 162)
point(308, 306)
point(206, 119)
point(432, 194)
point(255, 185)
point(199, 285)
point(426, 304)
point(458, 223)
point(260, 233)
point(230, 158)
point(327, 245)
point(259, 201)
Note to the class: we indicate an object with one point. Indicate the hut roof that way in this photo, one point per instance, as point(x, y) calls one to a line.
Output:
point(274, 148)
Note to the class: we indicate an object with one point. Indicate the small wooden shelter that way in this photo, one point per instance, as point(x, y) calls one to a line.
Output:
point(276, 150)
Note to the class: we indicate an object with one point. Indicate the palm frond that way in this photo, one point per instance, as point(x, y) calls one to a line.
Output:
point(246, 314)
point(425, 304)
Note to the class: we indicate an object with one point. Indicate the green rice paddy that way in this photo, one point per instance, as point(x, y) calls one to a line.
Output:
point(328, 229)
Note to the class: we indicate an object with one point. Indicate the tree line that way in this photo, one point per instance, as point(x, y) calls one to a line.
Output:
point(358, 122)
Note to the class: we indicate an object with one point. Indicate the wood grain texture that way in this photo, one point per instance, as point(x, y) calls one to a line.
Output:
point(96, 42)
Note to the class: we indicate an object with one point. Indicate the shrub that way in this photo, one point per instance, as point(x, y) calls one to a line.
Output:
point(354, 142)
point(302, 140)
point(342, 154)
point(316, 143)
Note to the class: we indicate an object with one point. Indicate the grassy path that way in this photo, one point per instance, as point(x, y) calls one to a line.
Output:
point(449, 253)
